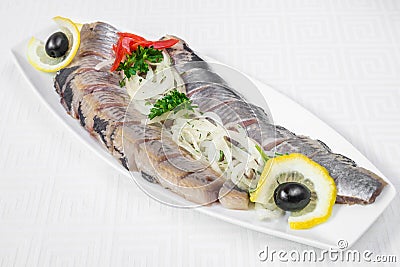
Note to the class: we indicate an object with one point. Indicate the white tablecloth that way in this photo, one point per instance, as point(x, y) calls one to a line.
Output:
point(62, 206)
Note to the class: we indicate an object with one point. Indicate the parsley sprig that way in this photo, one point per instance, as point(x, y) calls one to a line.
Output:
point(173, 100)
point(137, 62)
point(265, 157)
point(262, 153)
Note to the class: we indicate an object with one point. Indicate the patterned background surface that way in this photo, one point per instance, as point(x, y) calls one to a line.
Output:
point(60, 206)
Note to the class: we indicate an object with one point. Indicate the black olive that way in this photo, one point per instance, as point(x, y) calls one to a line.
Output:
point(292, 196)
point(57, 45)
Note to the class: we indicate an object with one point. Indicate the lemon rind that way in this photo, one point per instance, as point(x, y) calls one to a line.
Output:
point(318, 219)
point(75, 32)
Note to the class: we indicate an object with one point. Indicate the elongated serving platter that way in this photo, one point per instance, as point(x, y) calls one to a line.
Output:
point(357, 218)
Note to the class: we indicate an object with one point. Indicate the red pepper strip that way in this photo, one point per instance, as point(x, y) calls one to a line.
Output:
point(142, 44)
point(164, 43)
point(119, 55)
point(132, 36)
point(126, 45)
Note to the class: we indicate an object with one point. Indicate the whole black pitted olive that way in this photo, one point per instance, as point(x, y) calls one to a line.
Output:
point(292, 196)
point(57, 45)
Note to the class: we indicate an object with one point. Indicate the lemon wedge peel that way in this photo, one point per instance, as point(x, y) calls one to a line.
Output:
point(324, 187)
point(37, 56)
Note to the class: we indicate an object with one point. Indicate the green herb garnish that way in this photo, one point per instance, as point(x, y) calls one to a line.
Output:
point(174, 100)
point(138, 62)
point(262, 153)
point(280, 154)
point(265, 156)
point(251, 190)
point(221, 156)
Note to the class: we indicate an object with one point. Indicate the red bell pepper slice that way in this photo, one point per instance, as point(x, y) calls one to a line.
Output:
point(126, 45)
point(119, 55)
point(132, 36)
point(164, 43)
point(142, 44)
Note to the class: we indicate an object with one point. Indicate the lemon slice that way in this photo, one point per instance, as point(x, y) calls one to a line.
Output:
point(299, 168)
point(37, 56)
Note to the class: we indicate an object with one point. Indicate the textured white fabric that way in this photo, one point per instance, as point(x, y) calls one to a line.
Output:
point(60, 206)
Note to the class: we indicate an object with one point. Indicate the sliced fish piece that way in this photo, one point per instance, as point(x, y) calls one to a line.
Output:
point(201, 187)
point(303, 145)
point(214, 98)
point(354, 184)
point(95, 46)
point(161, 161)
point(232, 197)
point(195, 75)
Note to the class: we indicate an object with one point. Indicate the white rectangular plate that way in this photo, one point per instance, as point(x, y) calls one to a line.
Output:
point(357, 218)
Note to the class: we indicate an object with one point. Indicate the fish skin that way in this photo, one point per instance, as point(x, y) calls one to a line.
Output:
point(355, 185)
point(94, 97)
